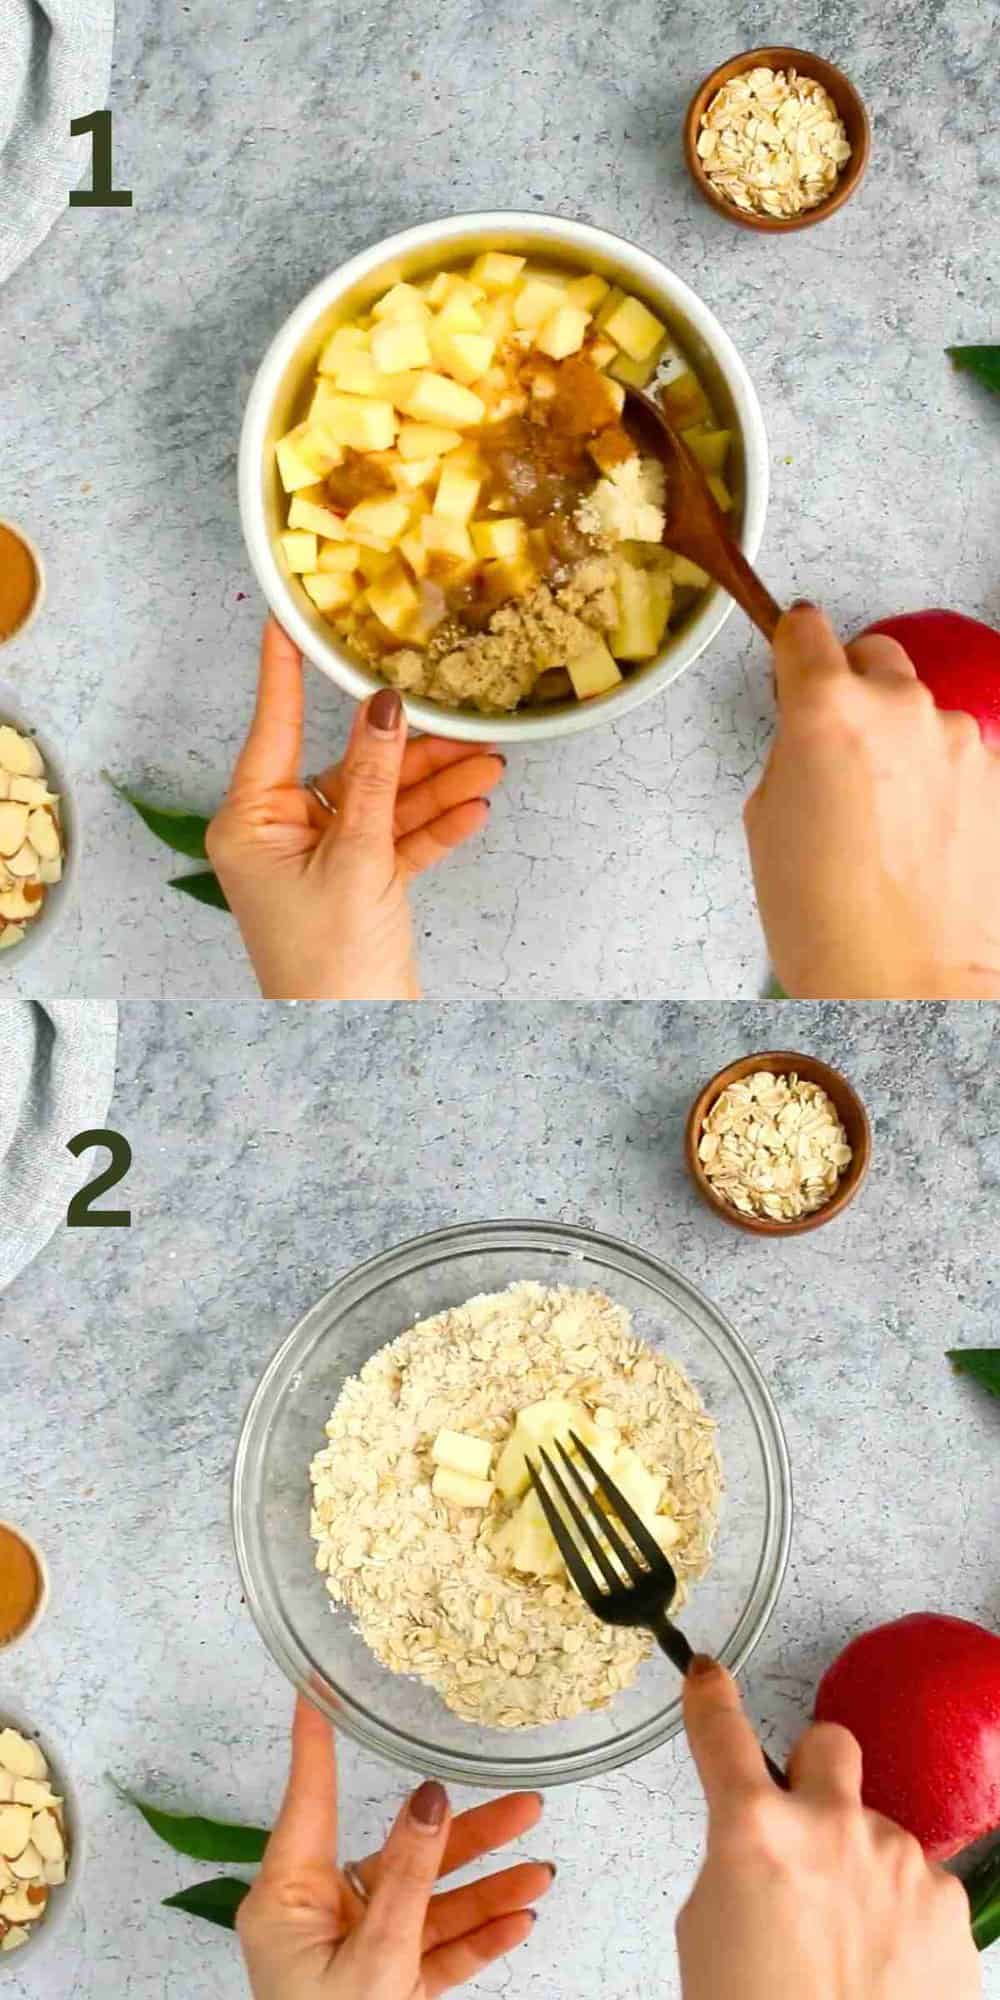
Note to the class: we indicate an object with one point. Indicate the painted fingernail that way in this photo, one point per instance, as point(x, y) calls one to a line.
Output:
point(803, 604)
point(700, 1665)
point(430, 1801)
point(551, 1866)
point(384, 712)
point(499, 754)
point(533, 1914)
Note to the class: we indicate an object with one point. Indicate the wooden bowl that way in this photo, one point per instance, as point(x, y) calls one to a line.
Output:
point(849, 104)
point(850, 1110)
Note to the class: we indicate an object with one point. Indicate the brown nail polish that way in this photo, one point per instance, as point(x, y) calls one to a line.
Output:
point(701, 1665)
point(551, 1866)
point(384, 712)
point(803, 604)
point(430, 1801)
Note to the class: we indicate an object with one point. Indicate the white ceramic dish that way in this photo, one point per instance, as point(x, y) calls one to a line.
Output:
point(34, 552)
point(27, 715)
point(43, 1595)
point(277, 391)
point(59, 1911)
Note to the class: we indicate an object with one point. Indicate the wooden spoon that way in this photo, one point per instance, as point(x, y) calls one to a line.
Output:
point(696, 526)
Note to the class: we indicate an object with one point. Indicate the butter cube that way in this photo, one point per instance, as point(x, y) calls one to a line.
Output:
point(461, 1452)
point(363, 423)
point(301, 551)
point(456, 496)
point(564, 333)
point(402, 302)
point(435, 399)
point(400, 344)
point(536, 302)
point(592, 670)
point(426, 441)
point(587, 292)
point(377, 523)
point(497, 270)
point(635, 328)
point(459, 1490)
point(501, 537)
point(330, 592)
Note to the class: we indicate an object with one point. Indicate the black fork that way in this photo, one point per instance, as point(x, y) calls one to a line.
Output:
point(647, 1590)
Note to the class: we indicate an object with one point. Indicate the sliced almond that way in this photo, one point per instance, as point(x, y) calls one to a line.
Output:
point(10, 934)
point(8, 1789)
point(14, 1936)
point(33, 791)
point(24, 864)
point(43, 834)
point(5, 784)
point(19, 755)
point(46, 1836)
point(55, 1873)
point(34, 1792)
point(17, 906)
point(13, 826)
point(8, 1879)
point(18, 1906)
point(15, 1830)
point(18, 1755)
point(50, 871)
point(29, 1865)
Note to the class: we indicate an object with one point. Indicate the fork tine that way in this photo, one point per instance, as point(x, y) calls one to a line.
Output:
point(634, 1571)
point(645, 1542)
point(583, 1527)
point(568, 1549)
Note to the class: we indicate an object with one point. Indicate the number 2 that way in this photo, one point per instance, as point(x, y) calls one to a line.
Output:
point(100, 193)
point(80, 1213)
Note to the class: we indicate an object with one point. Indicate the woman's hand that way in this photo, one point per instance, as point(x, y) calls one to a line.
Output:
point(321, 897)
point(875, 831)
point(307, 1936)
point(803, 1894)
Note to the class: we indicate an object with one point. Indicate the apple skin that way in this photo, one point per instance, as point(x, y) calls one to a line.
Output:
point(922, 1696)
point(957, 658)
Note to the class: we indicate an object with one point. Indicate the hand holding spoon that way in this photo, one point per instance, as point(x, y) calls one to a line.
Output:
point(696, 526)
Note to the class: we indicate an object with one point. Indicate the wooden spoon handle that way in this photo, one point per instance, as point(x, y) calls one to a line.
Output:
point(742, 582)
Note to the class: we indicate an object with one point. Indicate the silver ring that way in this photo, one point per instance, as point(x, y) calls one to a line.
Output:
point(353, 1875)
point(321, 798)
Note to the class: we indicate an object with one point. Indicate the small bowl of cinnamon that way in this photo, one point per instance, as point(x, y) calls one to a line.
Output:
point(24, 1585)
point(22, 582)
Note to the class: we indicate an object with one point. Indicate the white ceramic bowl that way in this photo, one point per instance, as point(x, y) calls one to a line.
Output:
point(27, 715)
point(276, 395)
point(59, 1911)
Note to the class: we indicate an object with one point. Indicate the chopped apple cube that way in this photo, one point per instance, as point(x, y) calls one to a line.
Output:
point(720, 491)
point(601, 351)
point(687, 573)
point(710, 448)
point(456, 496)
point(643, 609)
point(409, 473)
point(305, 512)
point(508, 576)
point(684, 400)
point(363, 423)
point(446, 538)
point(374, 564)
point(337, 557)
point(402, 302)
point(497, 317)
point(563, 333)
point(592, 670)
point(465, 356)
point(609, 305)
point(426, 441)
point(502, 537)
point(346, 340)
point(357, 375)
point(635, 374)
point(497, 270)
point(330, 591)
point(301, 551)
point(435, 399)
point(459, 1490)
point(536, 302)
point(635, 328)
point(299, 454)
point(587, 292)
point(394, 600)
point(412, 547)
point(399, 344)
point(378, 523)
point(461, 1452)
point(461, 313)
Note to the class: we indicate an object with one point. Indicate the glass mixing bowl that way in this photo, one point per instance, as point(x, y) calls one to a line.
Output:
point(313, 1641)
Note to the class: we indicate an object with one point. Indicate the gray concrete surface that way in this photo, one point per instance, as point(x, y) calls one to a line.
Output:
point(266, 143)
point(274, 1150)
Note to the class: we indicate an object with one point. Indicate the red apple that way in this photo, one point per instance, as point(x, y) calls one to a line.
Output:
point(958, 658)
point(922, 1696)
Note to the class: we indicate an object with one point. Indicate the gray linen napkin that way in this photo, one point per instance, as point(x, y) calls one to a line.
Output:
point(57, 1074)
point(55, 64)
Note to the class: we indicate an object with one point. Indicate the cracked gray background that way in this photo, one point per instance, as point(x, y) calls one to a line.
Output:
point(264, 144)
point(274, 1149)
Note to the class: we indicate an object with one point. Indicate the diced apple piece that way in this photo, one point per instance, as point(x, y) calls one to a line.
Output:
point(13, 825)
point(460, 314)
point(377, 523)
point(320, 520)
point(338, 558)
point(436, 399)
point(687, 573)
point(497, 317)
point(464, 356)
point(394, 601)
point(329, 590)
point(402, 302)
point(563, 333)
point(601, 351)
point(634, 328)
point(459, 1490)
point(635, 374)
point(462, 1452)
point(587, 292)
point(416, 555)
point(536, 302)
point(356, 375)
point(643, 610)
point(446, 538)
point(301, 550)
point(609, 305)
point(592, 670)
point(684, 401)
point(497, 270)
point(304, 455)
point(508, 576)
point(399, 344)
point(416, 441)
point(720, 491)
point(363, 423)
point(501, 537)
point(456, 496)
point(710, 448)
point(437, 290)
point(345, 340)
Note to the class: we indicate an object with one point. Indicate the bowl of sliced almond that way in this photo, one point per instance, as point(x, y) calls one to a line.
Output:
point(40, 1841)
point(38, 839)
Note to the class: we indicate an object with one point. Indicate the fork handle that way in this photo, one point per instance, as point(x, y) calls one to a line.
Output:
point(673, 1643)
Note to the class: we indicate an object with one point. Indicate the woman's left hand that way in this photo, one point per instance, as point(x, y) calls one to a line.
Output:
point(305, 1933)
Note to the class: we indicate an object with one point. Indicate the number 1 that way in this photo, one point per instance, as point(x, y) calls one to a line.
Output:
point(100, 194)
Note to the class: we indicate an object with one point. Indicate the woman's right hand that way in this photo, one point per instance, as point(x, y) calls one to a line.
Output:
point(804, 1895)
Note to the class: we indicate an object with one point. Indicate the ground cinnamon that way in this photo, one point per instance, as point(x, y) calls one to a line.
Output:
point(20, 1585)
point(18, 582)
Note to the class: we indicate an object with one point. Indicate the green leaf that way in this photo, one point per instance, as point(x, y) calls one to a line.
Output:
point(203, 1839)
point(983, 1363)
point(183, 831)
point(216, 1901)
point(983, 362)
point(983, 1890)
point(204, 888)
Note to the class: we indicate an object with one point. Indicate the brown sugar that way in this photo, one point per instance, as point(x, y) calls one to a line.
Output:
point(18, 582)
